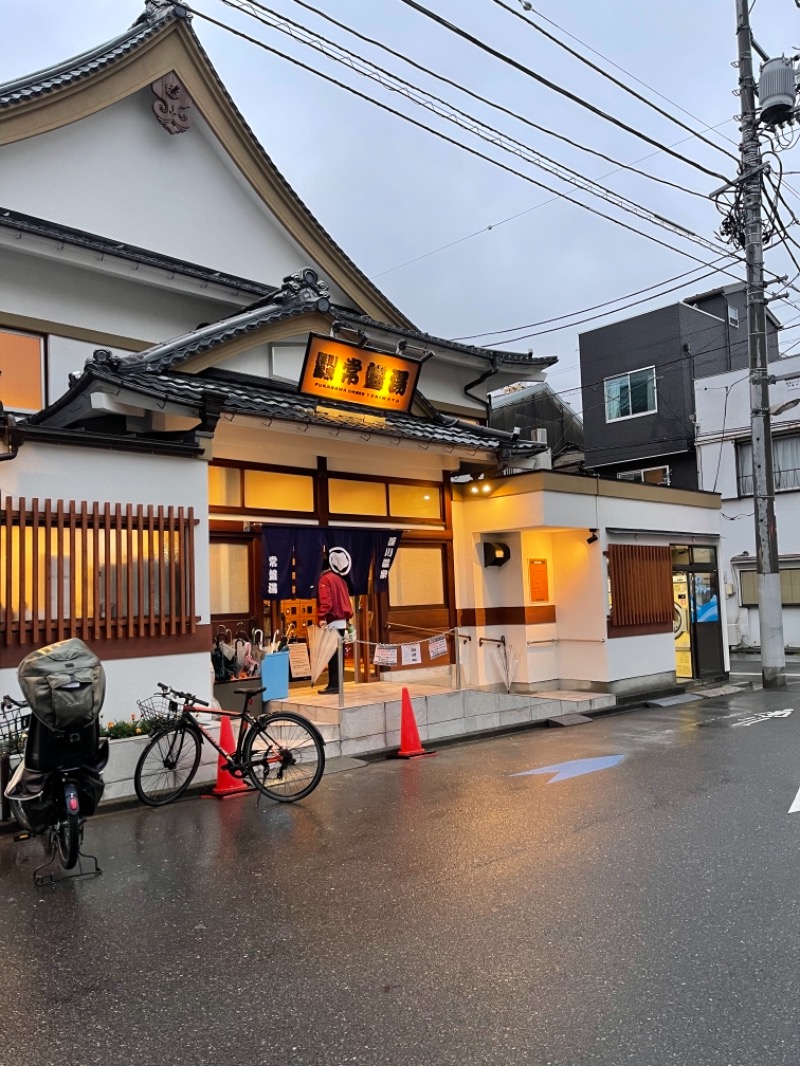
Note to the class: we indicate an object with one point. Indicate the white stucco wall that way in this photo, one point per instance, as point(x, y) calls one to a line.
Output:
point(555, 526)
point(121, 175)
point(723, 414)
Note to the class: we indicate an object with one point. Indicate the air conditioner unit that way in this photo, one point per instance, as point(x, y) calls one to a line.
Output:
point(539, 435)
point(734, 634)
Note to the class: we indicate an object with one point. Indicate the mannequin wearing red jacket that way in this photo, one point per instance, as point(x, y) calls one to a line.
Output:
point(335, 612)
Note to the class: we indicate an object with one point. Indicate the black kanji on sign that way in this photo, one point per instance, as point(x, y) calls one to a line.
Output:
point(325, 366)
point(352, 368)
point(376, 375)
point(398, 382)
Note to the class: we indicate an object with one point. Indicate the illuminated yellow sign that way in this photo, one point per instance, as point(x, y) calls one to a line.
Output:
point(336, 370)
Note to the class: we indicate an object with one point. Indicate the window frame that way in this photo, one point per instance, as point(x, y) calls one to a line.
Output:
point(754, 603)
point(622, 476)
point(627, 374)
point(43, 366)
point(746, 442)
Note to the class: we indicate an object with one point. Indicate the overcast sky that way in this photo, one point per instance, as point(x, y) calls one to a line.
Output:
point(461, 246)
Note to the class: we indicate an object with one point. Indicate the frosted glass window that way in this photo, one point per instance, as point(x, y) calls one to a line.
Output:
point(415, 501)
point(230, 578)
point(265, 490)
point(357, 497)
point(417, 578)
point(224, 486)
point(21, 377)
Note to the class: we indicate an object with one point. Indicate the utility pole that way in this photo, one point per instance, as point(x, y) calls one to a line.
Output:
point(770, 609)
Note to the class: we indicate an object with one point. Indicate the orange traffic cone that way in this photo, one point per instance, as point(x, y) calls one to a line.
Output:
point(410, 745)
point(227, 784)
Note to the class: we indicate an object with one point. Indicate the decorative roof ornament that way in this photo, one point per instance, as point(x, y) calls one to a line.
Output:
point(302, 288)
point(173, 103)
point(156, 9)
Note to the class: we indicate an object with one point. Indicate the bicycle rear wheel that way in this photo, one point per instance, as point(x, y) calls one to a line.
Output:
point(285, 756)
point(68, 830)
point(166, 766)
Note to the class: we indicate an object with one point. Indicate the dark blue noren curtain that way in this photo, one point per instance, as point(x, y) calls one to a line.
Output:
point(304, 545)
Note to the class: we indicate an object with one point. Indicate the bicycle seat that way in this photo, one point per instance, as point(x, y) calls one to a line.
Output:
point(250, 691)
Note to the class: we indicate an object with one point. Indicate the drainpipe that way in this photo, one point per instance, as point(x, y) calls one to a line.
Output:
point(479, 381)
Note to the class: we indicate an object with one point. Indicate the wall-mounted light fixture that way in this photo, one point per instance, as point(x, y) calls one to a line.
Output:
point(591, 539)
point(495, 553)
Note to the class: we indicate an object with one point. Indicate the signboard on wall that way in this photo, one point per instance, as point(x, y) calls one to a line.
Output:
point(337, 370)
point(537, 579)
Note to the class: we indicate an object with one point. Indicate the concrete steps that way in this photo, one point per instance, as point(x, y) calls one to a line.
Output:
point(370, 720)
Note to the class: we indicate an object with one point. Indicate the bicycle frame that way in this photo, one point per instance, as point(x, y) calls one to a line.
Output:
point(233, 759)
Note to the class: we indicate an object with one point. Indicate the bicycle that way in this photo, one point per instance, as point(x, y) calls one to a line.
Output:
point(61, 790)
point(283, 754)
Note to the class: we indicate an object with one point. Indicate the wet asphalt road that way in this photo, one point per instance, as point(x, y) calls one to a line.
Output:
point(438, 912)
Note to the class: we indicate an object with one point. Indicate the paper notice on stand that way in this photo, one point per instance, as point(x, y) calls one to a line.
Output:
point(385, 655)
point(437, 647)
point(299, 663)
point(411, 654)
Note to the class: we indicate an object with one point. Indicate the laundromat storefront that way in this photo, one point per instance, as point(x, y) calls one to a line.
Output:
point(264, 573)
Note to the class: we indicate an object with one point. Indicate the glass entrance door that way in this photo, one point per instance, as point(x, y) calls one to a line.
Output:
point(696, 620)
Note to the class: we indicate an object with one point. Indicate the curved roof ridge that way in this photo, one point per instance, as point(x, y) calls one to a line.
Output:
point(80, 66)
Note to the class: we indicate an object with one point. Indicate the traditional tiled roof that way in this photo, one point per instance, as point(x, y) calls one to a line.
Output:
point(308, 295)
point(39, 227)
point(75, 69)
point(518, 358)
point(270, 401)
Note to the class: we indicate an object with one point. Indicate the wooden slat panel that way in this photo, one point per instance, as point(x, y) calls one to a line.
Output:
point(140, 567)
point(151, 573)
point(59, 554)
point(48, 571)
point(107, 567)
point(85, 613)
point(118, 568)
point(190, 571)
point(129, 569)
point(641, 584)
point(96, 569)
point(162, 621)
point(35, 571)
point(73, 566)
point(89, 600)
point(8, 548)
point(171, 530)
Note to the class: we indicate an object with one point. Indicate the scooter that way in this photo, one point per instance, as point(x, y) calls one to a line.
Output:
point(59, 782)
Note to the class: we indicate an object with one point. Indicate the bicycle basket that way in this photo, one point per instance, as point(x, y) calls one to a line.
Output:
point(13, 731)
point(159, 710)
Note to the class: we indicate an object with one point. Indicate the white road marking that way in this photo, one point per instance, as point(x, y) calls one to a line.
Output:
point(764, 717)
point(795, 807)
point(745, 673)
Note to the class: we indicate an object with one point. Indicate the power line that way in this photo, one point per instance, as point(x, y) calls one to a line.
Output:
point(472, 124)
point(511, 218)
point(485, 100)
point(604, 73)
point(595, 307)
point(458, 144)
point(557, 88)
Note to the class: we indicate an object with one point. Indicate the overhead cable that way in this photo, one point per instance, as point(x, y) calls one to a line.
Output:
point(557, 88)
point(604, 73)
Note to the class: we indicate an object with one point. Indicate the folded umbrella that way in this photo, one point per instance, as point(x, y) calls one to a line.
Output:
point(322, 643)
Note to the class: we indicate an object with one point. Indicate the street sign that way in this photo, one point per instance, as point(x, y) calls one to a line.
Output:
point(574, 768)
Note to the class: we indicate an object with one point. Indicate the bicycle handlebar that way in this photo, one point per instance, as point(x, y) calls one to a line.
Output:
point(189, 697)
point(9, 701)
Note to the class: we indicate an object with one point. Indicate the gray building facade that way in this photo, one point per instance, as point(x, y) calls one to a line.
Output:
point(637, 384)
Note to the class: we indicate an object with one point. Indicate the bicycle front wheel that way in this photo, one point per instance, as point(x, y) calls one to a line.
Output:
point(285, 756)
point(166, 766)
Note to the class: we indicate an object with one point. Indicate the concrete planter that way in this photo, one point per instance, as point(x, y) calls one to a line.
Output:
point(124, 754)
